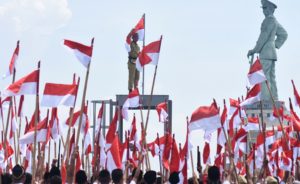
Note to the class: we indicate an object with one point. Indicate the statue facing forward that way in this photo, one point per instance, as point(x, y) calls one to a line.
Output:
point(272, 36)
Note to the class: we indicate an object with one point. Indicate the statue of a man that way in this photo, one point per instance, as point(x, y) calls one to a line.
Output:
point(272, 36)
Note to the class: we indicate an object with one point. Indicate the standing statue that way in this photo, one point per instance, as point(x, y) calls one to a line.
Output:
point(272, 36)
point(133, 73)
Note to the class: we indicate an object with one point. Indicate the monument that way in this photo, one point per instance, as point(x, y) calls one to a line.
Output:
point(272, 36)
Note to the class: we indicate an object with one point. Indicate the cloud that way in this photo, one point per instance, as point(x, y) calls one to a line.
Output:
point(43, 17)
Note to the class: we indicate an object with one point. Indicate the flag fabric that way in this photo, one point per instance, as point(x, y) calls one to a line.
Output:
point(132, 101)
point(41, 134)
point(254, 95)
point(59, 94)
point(296, 95)
point(133, 131)
point(82, 52)
point(20, 109)
point(112, 130)
point(87, 143)
point(253, 124)
point(256, 74)
point(162, 111)
point(149, 55)
point(24, 86)
point(13, 62)
point(54, 125)
point(206, 153)
point(139, 29)
point(206, 118)
point(99, 119)
point(113, 156)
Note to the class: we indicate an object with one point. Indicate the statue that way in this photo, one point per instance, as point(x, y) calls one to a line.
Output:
point(272, 36)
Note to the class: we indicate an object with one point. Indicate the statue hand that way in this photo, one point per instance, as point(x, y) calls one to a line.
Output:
point(250, 53)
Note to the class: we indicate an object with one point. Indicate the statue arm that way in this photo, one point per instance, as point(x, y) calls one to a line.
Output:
point(281, 36)
point(266, 29)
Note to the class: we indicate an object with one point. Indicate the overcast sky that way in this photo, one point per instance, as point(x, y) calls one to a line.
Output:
point(203, 53)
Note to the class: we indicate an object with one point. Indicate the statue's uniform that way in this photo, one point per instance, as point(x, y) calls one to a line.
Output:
point(134, 74)
point(265, 46)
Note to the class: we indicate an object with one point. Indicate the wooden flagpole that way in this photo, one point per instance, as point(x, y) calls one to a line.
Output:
point(159, 156)
point(228, 143)
point(152, 88)
point(83, 98)
point(36, 117)
point(49, 149)
point(8, 116)
point(143, 85)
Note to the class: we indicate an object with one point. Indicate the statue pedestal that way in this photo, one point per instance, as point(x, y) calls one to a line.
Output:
point(254, 110)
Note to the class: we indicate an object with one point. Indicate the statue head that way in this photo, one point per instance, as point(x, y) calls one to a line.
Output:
point(268, 7)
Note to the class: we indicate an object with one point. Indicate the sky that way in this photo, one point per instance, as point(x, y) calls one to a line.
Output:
point(203, 53)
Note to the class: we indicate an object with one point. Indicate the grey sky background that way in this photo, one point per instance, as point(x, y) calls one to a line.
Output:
point(203, 53)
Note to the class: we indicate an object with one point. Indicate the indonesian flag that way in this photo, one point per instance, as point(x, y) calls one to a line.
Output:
point(54, 124)
point(28, 158)
point(133, 131)
point(206, 153)
point(24, 86)
point(206, 118)
point(254, 95)
point(99, 119)
point(139, 29)
point(20, 109)
point(132, 101)
point(113, 156)
point(253, 124)
point(112, 130)
point(296, 95)
point(162, 112)
point(59, 94)
point(256, 74)
point(286, 161)
point(82, 52)
point(270, 137)
point(149, 55)
point(13, 62)
point(87, 143)
point(5, 102)
point(41, 134)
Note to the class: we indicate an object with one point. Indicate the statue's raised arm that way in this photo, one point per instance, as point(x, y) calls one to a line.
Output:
point(272, 36)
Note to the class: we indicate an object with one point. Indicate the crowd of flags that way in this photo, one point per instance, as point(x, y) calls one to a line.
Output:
point(279, 145)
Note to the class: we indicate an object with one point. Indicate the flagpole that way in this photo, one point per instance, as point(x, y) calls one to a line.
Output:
point(159, 157)
point(228, 143)
point(152, 88)
point(263, 125)
point(8, 116)
point(49, 149)
point(1, 113)
point(36, 121)
point(83, 98)
point(143, 85)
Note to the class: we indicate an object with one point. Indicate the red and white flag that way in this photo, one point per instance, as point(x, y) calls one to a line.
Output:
point(112, 130)
point(132, 101)
point(296, 95)
point(20, 109)
point(82, 52)
point(256, 74)
point(99, 119)
point(149, 55)
point(13, 62)
point(59, 94)
point(41, 134)
point(133, 131)
point(28, 159)
point(113, 156)
point(139, 29)
point(206, 118)
point(254, 95)
point(253, 124)
point(24, 86)
point(55, 126)
point(87, 143)
point(162, 111)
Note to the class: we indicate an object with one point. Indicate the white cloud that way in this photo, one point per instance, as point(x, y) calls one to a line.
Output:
point(38, 16)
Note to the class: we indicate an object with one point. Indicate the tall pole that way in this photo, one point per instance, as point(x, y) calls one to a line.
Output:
point(83, 98)
point(152, 88)
point(36, 119)
point(143, 83)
